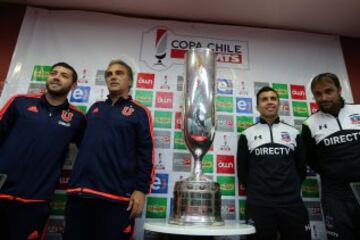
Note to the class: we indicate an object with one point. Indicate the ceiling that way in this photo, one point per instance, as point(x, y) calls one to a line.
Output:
point(339, 17)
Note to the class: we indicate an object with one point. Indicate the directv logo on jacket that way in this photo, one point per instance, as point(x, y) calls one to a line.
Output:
point(270, 156)
point(337, 144)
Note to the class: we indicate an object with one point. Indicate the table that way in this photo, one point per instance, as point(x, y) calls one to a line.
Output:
point(229, 229)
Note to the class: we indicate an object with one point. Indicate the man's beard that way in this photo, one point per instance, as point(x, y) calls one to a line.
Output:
point(58, 93)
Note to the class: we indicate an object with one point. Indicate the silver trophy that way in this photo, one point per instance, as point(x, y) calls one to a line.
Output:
point(197, 199)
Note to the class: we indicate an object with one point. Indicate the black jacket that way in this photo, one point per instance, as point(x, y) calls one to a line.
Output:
point(271, 164)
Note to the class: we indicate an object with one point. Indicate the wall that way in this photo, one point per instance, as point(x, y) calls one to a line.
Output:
point(11, 17)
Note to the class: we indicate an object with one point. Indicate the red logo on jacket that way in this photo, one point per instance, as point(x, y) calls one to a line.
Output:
point(33, 109)
point(66, 116)
point(127, 111)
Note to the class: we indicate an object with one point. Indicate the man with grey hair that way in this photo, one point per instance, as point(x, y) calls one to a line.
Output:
point(114, 168)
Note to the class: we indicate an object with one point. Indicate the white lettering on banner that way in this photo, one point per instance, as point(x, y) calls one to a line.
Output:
point(225, 165)
point(272, 151)
point(342, 139)
point(298, 93)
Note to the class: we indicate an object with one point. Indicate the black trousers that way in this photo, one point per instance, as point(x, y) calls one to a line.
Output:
point(291, 222)
point(342, 218)
point(94, 219)
point(19, 221)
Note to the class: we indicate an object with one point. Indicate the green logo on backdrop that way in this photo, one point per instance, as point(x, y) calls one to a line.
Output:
point(179, 142)
point(300, 109)
point(242, 209)
point(224, 104)
point(310, 188)
point(162, 119)
point(227, 185)
point(40, 73)
point(156, 207)
point(82, 108)
point(57, 204)
point(144, 97)
point(243, 122)
point(282, 90)
point(208, 163)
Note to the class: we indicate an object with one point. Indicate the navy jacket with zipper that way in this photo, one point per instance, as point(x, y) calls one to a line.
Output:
point(116, 154)
point(34, 139)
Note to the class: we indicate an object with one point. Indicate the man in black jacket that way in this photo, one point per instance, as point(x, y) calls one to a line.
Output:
point(332, 143)
point(271, 166)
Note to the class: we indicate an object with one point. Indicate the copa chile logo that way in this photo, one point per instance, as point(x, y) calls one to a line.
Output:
point(161, 48)
point(160, 184)
point(80, 94)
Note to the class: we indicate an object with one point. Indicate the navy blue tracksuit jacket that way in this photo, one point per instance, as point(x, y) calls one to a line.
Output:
point(117, 152)
point(34, 138)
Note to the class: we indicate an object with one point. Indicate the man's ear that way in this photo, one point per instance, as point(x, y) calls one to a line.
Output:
point(74, 85)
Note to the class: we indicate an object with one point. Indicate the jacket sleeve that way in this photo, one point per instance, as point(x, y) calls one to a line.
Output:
point(7, 118)
point(243, 158)
point(80, 132)
point(300, 159)
point(310, 149)
point(145, 153)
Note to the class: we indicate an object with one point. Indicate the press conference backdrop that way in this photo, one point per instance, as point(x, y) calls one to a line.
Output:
point(248, 59)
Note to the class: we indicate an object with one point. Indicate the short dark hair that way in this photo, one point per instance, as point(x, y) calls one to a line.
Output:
point(66, 65)
point(266, 89)
point(325, 77)
point(128, 68)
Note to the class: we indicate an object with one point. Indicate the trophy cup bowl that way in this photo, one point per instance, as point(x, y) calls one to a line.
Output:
point(197, 199)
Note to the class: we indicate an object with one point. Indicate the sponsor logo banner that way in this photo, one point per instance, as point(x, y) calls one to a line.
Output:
point(179, 142)
point(228, 209)
point(260, 85)
point(57, 204)
point(181, 162)
point(224, 104)
point(242, 204)
point(224, 86)
point(313, 107)
point(156, 207)
point(162, 139)
point(178, 120)
point(298, 92)
point(100, 78)
point(227, 185)
point(243, 122)
point(314, 210)
point(144, 97)
point(80, 94)
point(55, 228)
point(300, 109)
point(225, 164)
point(208, 163)
point(284, 109)
point(160, 184)
point(310, 188)
point(162, 119)
point(64, 179)
point(164, 100)
point(281, 89)
point(37, 87)
point(40, 73)
point(225, 123)
point(179, 83)
point(145, 80)
point(244, 105)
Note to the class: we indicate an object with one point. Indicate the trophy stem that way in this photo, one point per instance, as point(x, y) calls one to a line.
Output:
point(197, 169)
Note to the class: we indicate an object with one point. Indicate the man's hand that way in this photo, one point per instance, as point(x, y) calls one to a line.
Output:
point(136, 203)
